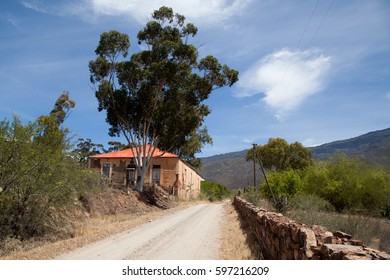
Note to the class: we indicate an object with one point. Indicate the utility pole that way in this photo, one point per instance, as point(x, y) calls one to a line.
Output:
point(254, 165)
point(265, 177)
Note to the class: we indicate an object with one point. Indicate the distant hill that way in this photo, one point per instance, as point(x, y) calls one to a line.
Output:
point(373, 147)
point(233, 171)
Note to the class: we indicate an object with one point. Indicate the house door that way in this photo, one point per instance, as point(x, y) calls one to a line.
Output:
point(156, 174)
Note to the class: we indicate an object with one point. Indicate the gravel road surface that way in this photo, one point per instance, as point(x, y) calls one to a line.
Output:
point(190, 234)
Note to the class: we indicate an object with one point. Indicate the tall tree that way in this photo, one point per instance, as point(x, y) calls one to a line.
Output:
point(50, 125)
point(86, 148)
point(193, 145)
point(157, 96)
point(278, 155)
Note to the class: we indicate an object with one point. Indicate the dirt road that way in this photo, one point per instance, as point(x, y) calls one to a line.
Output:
point(192, 233)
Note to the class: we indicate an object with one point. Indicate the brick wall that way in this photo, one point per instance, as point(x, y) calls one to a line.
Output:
point(280, 238)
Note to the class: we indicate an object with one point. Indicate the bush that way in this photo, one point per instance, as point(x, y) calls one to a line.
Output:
point(348, 184)
point(310, 209)
point(252, 195)
point(38, 181)
point(213, 191)
point(311, 203)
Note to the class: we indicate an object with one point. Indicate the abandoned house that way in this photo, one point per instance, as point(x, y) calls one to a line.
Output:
point(166, 170)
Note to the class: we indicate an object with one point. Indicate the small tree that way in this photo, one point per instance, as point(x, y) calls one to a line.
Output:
point(156, 97)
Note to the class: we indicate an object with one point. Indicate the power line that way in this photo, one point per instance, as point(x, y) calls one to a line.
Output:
point(307, 24)
point(322, 21)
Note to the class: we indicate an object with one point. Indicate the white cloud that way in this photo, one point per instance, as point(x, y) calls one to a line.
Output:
point(200, 11)
point(34, 5)
point(14, 23)
point(286, 78)
point(249, 140)
point(310, 142)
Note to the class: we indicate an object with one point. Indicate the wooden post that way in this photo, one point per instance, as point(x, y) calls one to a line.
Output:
point(254, 165)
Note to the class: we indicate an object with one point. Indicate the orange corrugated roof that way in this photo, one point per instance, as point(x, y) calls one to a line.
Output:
point(131, 153)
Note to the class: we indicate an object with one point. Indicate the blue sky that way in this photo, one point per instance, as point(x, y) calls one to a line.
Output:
point(312, 71)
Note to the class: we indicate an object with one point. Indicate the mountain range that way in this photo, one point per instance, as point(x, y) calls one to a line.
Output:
point(233, 171)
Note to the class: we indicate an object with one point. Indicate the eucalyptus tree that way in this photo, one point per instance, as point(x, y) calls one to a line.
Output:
point(156, 96)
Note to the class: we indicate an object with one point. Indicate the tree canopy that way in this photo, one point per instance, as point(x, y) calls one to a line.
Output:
point(157, 95)
point(278, 155)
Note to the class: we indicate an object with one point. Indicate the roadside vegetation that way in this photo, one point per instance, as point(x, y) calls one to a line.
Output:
point(213, 191)
point(40, 182)
point(341, 193)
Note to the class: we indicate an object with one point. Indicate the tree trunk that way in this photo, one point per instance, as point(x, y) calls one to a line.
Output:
point(143, 160)
point(139, 184)
point(140, 179)
point(141, 176)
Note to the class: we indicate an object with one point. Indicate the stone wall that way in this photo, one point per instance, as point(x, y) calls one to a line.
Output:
point(280, 238)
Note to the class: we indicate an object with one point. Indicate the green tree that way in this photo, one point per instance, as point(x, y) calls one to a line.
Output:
point(278, 155)
point(61, 108)
point(118, 146)
point(157, 96)
point(86, 148)
point(214, 191)
point(49, 131)
point(284, 183)
point(193, 145)
point(37, 177)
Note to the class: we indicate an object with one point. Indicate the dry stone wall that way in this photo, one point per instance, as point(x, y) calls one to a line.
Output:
point(280, 238)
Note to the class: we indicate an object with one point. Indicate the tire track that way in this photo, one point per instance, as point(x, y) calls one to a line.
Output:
point(192, 233)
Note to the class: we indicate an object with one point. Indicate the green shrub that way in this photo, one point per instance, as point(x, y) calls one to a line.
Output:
point(38, 181)
point(213, 191)
point(348, 184)
point(310, 203)
point(252, 195)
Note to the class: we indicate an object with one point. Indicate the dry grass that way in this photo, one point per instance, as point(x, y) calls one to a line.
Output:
point(375, 232)
point(233, 245)
point(87, 231)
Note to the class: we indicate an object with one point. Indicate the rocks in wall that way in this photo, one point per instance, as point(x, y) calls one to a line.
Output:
point(280, 238)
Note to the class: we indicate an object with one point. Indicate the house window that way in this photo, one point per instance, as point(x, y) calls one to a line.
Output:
point(156, 174)
point(106, 170)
